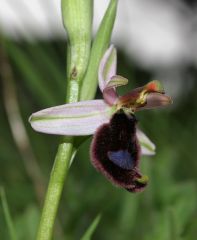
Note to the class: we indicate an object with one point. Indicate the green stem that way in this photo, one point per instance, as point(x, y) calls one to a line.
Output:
point(77, 19)
point(56, 183)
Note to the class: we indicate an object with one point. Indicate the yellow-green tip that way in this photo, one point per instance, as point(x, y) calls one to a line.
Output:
point(144, 179)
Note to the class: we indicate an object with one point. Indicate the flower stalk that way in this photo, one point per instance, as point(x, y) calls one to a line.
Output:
point(54, 191)
point(77, 19)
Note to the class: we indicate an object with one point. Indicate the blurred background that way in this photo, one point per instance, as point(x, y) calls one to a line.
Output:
point(155, 39)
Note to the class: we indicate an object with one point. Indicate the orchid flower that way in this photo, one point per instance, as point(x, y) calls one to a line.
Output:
point(117, 143)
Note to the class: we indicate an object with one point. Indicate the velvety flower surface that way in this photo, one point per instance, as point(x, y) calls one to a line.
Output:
point(117, 143)
point(115, 152)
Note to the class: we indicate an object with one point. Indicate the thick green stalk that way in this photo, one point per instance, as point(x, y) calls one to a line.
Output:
point(77, 19)
point(54, 191)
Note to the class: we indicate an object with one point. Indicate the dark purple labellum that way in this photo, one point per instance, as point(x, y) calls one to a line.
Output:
point(115, 152)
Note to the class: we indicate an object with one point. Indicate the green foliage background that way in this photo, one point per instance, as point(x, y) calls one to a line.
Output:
point(167, 209)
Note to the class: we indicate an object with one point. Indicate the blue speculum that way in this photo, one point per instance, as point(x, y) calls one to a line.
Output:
point(121, 158)
point(115, 152)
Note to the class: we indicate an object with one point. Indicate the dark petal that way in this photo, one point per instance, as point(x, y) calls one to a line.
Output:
point(137, 187)
point(115, 151)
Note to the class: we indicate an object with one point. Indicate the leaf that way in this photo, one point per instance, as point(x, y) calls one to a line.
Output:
point(100, 44)
point(7, 215)
point(77, 20)
point(91, 229)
